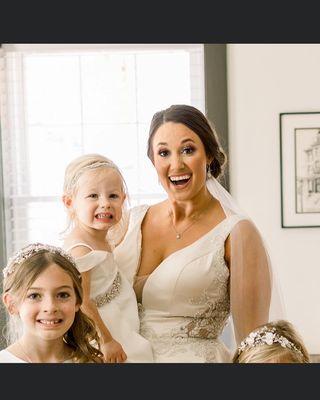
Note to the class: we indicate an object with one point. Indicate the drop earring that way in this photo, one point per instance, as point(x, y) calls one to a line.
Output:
point(209, 175)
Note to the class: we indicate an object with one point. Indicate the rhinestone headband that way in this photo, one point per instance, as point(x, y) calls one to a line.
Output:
point(94, 165)
point(30, 250)
point(267, 336)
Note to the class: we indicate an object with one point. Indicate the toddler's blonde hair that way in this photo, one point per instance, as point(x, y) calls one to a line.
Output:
point(72, 174)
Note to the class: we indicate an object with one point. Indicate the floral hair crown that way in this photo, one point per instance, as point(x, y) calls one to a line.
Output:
point(30, 250)
point(97, 164)
point(267, 336)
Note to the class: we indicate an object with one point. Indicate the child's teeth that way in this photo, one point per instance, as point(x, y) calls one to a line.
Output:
point(43, 321)
point(104, 216)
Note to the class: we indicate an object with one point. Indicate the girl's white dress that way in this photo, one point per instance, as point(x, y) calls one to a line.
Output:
point(7, 357)
point(185, 300)
point(116, 302)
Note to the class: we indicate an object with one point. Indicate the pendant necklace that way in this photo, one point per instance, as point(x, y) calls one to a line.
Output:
point(179, 234)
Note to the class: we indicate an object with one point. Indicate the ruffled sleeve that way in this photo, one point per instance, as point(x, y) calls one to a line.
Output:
point(90, 260)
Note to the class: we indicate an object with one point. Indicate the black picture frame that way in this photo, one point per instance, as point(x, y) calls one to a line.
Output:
point(300, 169)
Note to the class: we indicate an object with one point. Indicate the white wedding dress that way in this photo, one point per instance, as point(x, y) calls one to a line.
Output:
point(184, 302)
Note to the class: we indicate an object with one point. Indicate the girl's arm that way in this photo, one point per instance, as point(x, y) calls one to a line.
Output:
point(111, 349)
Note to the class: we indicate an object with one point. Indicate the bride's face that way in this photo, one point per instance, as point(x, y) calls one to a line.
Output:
point(180, 160)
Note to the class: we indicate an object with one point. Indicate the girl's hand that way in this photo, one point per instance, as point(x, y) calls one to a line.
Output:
point(113, 352)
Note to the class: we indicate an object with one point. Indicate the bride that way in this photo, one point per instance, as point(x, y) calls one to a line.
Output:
point(195, 258)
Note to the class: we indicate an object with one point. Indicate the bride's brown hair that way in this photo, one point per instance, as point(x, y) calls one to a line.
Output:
point(199, 124)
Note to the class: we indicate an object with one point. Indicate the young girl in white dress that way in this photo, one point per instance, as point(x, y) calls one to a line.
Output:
point(42, 293)
point(94, 195)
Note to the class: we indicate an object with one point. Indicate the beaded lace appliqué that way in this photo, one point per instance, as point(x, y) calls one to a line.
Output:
point(110, 294)
point(175, 341)
point(196, 334)
point(208, 324)
point(199, 334)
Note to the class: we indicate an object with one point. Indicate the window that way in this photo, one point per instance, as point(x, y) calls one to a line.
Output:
point(61, 101)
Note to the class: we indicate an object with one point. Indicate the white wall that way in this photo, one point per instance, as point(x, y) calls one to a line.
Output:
point(263, 81)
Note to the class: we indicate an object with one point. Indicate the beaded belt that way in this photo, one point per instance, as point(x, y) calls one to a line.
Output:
point(110, 294)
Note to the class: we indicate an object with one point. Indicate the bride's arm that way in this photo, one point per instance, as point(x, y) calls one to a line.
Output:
point(250, 278)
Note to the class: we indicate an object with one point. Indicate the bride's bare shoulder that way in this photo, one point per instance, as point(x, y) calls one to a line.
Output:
point(156, 213)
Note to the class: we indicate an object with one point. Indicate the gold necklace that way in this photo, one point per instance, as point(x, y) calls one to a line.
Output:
point(29, 359)
point(179, 234)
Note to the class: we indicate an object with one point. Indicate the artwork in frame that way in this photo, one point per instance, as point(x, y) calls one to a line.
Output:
point(300, 169)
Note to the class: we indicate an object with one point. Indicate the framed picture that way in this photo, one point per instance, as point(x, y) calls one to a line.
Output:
point(300, 169)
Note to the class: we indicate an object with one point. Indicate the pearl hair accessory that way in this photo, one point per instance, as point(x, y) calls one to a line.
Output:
point(98, 164)
point(30, 250)
point(267, 336)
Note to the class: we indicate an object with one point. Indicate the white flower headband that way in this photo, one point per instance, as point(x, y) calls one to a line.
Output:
point(267, 336)
point(31, 250)
point(94, 165)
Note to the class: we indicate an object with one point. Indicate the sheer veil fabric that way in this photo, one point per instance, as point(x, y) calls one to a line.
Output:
point(254, 290)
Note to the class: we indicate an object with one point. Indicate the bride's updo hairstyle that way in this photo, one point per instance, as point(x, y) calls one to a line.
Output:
point(199, 124)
